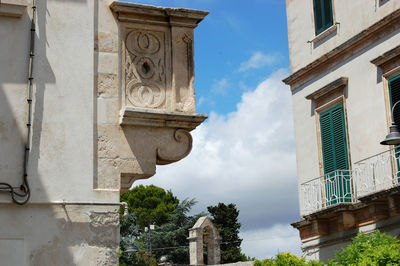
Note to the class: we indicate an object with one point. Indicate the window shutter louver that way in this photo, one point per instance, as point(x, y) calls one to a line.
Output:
point(327, 140)
point(335, 156)
point(328, 16)
point(394, 91)
point(318, 16)
point(339, 133)
point(333, 138)
point(394, 88)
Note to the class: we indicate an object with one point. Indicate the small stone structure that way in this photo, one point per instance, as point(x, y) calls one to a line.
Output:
point(204, 232)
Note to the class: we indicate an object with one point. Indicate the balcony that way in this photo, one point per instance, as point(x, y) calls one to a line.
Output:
point(378, 173)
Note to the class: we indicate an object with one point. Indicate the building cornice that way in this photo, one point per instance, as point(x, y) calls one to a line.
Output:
point(361, 40)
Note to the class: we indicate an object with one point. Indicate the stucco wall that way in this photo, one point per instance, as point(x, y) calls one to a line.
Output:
point(62, 162)
point(301, 29)
point(84, 140)
point(365, 110)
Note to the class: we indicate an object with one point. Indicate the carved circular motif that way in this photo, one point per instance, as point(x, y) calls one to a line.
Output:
point(145, 67)
point(142, 95)
point(142, 42)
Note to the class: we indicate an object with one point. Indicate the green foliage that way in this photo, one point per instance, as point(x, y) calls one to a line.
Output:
point(148, 205)
point(225, 218)
point(283, 259)
point(174, 233)
point(373, 249)
point(132, 246)
point(151, 204)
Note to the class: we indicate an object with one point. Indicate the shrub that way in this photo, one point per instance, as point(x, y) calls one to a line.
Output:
point(373, 249)
point(283, 259)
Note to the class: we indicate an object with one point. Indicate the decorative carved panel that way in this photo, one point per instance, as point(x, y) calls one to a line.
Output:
point(145, 80)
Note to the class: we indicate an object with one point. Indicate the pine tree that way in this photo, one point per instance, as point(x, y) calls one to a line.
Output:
point(225, 218)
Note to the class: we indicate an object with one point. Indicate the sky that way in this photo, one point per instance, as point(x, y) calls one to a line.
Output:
point(244, 153)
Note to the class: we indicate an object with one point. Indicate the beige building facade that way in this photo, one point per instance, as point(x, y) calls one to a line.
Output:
point(93, 95)
point(345, 76)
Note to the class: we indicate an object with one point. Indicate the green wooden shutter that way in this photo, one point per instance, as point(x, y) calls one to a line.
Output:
point(323, 16)
point(333, 137)
point(394, 91)
point(335, 155)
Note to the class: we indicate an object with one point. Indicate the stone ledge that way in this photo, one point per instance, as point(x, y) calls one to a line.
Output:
point(129, 12)
point(131, 116)
point(12, 8)
point(325, 33)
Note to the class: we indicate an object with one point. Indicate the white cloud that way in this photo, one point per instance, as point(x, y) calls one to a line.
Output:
point(221, 86)
point(259, 60)
point(246, 157)
point(266, 243)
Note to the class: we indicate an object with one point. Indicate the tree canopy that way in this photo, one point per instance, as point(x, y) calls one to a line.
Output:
point(225, 218)
point(151, 204)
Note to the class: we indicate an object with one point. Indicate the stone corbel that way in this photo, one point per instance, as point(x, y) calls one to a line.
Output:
point(157, 94)
point(181, 124)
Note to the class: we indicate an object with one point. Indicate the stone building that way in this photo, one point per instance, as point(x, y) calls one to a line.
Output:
point(93, 95)
point(345, 78)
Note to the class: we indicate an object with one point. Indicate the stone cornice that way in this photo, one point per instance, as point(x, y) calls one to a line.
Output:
point(328, 88)
point(12, 8)
point(156, 118)
point(389, 55)
point(129, 12)
point(345, 50)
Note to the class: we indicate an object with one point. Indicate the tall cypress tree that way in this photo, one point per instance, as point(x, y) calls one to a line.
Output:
point(225, 218)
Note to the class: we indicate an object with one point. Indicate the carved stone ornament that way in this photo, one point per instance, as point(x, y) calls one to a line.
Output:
point(167, 155)
point(157, 94)
point(157, 56)
point(145, 79)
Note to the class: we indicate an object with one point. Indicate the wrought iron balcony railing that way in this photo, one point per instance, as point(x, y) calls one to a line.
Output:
point(329, 190)
point(371, 175)
point(377, 173)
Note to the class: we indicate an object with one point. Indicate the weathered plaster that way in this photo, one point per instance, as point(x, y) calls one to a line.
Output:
point(81, 150)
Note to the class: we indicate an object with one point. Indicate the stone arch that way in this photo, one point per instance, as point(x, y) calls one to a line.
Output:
point(204, 232)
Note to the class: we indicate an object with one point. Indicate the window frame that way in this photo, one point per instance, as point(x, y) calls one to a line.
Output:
point(325, 24)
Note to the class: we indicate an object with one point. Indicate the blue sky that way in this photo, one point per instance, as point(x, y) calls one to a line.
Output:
point(233, 32)
point(244, 153)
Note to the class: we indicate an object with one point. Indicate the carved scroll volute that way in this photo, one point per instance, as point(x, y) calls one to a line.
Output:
point(178, 149)
point(145, 68)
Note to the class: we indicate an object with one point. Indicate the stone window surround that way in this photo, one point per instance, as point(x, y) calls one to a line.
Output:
point(388, 64)
point(323, 99)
